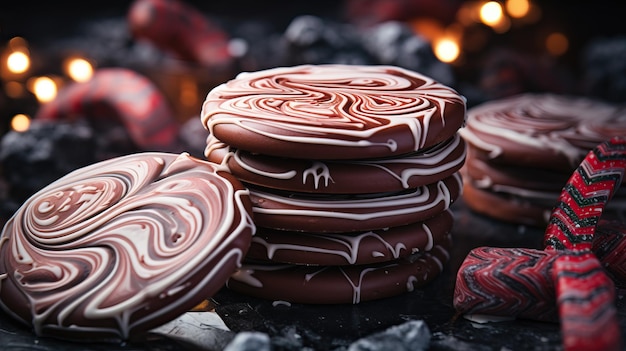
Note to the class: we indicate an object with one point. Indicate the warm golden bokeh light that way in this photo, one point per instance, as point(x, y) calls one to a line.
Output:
point(18, 62)
point(447, 50)
point(80, 70)
point(44, 88)
point(557, 44)
point(517, 8)
point(20, 122)
point(491, 13)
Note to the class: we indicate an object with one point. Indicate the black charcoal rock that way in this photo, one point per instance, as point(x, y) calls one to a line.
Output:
point(249, 341)
point(410, 336)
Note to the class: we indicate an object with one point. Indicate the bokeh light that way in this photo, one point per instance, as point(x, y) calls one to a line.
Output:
point(447, 50)
point(491, 13)
point(20, 122)
point(517, 8)
point(44, 88)
point(79, 69)
point(18, 62)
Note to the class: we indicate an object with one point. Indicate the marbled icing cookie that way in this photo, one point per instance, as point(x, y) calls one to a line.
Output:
point(333, 111)
point(522, 149)
point(332, 213)
point(116, 248)
point(358, 248)
point(342, 176)
point(348, 284)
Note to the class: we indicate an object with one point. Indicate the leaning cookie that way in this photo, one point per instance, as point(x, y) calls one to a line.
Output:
point(342, 176)
point(350, 284)
point(116, 248)
point(333, 213)
point(333, 111)
point(368, 247)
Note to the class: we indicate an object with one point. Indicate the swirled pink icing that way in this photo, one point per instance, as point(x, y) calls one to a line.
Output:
point(342, 176)
point(344, 283)
point(327, 213)
point(566, 126)
point(333, 111)
point(123, 245)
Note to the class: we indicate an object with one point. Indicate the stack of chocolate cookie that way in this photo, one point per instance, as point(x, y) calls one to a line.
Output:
point(351, 170)
point(522, 150)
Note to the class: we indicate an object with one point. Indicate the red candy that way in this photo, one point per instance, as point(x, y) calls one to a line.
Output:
point(585, 298)
point(513, 282)
point(174, 26)
point(580, 205)
point(496, 281)
point(119, 95)
point(609, 244)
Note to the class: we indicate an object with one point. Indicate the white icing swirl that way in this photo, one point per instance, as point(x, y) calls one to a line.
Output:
point(335, 105)
point(384, 174)
point(313, 213)
point(122, 245)
point(554, 124)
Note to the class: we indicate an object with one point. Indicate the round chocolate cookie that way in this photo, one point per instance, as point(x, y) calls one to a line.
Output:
point(381, 245)
point(114, 249)
point(342, 176)
point(546, 131)
point(509, 207)
point(333, 112)
point(334, 213)
point(513, 178)
point(341, 284)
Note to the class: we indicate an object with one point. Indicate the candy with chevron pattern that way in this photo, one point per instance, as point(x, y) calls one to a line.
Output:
point(574, 219)
point(586, 303)
point(497, 281)
point(513, 282)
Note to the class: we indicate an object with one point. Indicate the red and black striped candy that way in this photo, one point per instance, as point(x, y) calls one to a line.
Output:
point(511, 282)
point(609, 245)
point(176, 27)
point(119, 95)
point(574, 218)
point(498, 281)
point(586, 303)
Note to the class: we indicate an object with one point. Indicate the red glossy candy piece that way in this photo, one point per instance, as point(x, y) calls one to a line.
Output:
point(609, 245)
point(174, 26)
point(512, 282)
point(119, 95)
point(585, 295)
point(574, 219)
point(585, 298)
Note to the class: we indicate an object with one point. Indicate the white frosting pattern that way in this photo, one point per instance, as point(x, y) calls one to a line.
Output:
point(565, 125)
point(334, 105)
point(113, 248)
point(340, 284)
point(354, 248)
point(274, 211)
point(398, 173)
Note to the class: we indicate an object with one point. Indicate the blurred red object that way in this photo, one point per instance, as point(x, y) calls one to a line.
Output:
point(369, 12)
point(179, 28)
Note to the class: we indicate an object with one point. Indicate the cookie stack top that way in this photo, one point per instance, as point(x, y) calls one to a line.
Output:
point(333, 112)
